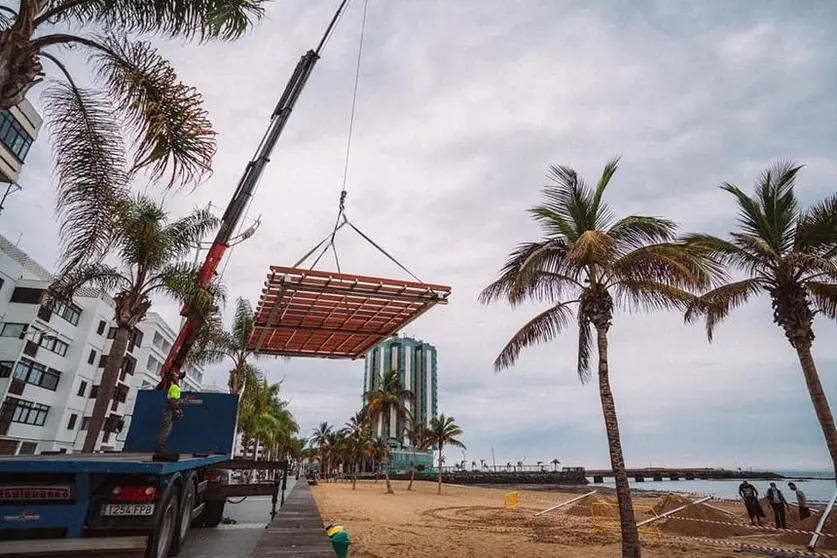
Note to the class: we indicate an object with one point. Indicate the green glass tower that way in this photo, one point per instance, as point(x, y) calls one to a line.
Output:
point(416, 364)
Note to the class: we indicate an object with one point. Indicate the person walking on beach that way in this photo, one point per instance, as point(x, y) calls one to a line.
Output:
point(777, 501)
point(750, 496)
point(801, 501)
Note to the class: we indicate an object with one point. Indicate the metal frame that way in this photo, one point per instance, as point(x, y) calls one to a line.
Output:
point(310, 313)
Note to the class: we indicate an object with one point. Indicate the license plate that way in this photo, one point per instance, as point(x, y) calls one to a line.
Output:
point(128, 509)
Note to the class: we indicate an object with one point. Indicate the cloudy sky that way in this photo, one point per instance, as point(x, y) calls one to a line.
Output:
point(461, 107)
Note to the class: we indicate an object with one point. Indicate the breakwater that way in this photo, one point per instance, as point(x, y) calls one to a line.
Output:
point(503, 477)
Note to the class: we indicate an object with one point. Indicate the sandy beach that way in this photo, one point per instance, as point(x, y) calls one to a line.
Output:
point(471, 521)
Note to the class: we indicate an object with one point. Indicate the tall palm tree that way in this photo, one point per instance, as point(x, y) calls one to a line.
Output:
point(555, 464)
point(149, 248)
point(319, 439)
point(592, 261)
point(443, 431)
point(416, 432)
point(387, 400)
point(233, 345)
point(139, 87)
point(381, 452)
point(789, 253)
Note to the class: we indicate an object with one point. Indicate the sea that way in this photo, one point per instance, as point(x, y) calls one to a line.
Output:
point(818, 486)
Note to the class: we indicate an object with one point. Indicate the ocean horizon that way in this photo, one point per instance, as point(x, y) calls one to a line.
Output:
point(819, 487)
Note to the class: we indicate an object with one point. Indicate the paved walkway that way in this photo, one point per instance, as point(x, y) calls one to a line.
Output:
point(297, 529)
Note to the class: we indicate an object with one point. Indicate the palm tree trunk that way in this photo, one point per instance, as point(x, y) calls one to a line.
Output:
point(818, 398)
point(627, 521)
point(412, 477)
point(439, 487)
point(106, 386)
point(386, 477)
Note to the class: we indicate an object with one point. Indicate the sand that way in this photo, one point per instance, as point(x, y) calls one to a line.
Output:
point(471, 521)
point(679, 523)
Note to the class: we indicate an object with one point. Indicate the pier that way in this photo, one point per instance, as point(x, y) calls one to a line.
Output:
point(688, 473)
point(297, 530)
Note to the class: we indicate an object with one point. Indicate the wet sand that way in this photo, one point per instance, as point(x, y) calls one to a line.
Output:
point(468, 521)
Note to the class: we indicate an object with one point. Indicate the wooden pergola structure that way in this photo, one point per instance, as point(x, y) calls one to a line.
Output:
point(309, 313)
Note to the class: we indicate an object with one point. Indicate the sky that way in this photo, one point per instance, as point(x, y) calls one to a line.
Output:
point(461, 107)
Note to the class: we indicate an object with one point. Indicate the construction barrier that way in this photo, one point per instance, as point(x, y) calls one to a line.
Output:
point(606, 518)
point(756, 527)
point(511, 500)
point(745, 545)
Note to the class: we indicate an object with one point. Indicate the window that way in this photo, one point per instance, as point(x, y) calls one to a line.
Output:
point(82, 388)
point(72, 422)
point(85, 423)
point(153, 365)
point(69, 312)
point(27, 448)
point(129, 363)
point(27, 412)
point(13, 330)
point(112, 333)
point(55, 345)
point(101, 328)
point(26, 295)
point(91, 358)
point(103, 359)
point(6, 368)
point(94, 392)
point(121, 393)
point(14, 136)
point(37, 374)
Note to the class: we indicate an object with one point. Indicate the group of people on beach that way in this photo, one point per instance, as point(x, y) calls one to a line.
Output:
point(777, 501)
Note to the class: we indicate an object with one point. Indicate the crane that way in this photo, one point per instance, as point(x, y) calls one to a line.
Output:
point(235, 209)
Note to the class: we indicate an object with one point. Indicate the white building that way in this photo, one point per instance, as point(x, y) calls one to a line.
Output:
point(52, 357)
point(19, 127)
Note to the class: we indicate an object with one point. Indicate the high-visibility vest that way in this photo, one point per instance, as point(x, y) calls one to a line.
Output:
point(174, 392)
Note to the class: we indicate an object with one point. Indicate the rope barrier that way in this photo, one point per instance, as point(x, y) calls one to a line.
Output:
point(756, 527)
point(745, 545)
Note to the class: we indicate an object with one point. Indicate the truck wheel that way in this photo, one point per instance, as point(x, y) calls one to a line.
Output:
point(213, 513)
point(160, 541)
point(184, 518)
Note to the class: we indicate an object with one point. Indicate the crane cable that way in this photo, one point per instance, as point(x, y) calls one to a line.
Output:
point(342, 204)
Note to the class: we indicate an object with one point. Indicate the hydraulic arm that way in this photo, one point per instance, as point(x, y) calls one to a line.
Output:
point(243, 192)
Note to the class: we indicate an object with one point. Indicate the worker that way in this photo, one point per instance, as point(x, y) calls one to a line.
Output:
point(750, 496)
point(801, 501)
point(778, 503)
point(171, 412)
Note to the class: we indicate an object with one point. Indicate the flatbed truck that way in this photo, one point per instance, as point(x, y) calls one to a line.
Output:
point(132, 503)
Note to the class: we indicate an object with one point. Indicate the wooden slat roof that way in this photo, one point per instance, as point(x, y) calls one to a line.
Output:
point(308, 313)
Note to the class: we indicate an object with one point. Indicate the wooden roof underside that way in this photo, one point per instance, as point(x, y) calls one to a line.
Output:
point(307, 313)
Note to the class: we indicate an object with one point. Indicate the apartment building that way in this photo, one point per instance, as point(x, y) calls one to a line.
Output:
point(52, 356)
point(19, 127)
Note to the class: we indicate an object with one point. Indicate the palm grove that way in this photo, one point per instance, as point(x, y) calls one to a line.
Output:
point(589, 263)
point(364, 444)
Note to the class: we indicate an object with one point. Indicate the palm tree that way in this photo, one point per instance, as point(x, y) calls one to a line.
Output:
point(791, 254)
point(441, 432)
point(150, 249)
point(555, 464)
point(387, 400)
point(388, 397)
point(591, 260)
point(319, 439)
point(139, 87)
point(417, 435)
point(381, 452)
point(233, 345)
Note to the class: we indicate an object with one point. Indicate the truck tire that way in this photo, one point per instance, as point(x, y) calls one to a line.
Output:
point(184, 518)
point(213, 513)
point(160, 541)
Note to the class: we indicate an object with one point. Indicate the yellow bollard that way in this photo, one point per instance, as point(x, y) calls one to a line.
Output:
point(511, 500)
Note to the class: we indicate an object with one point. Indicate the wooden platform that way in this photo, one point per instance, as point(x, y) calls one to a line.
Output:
point(309, 313)
point(297, 529)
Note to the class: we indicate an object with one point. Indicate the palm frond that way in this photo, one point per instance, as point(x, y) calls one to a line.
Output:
point(541, 329)
point(811, 265)
point(97, 275)
point(776, 197)
point(184, 234)
point(751, 218)
point(569, 197)
point(205, 349)
point(602, 213)
point(652, 296)
point(678, 265)
point(89, 167)
point(635, 231)
point(585, 345)
point(205, 19)
point(532, 271)
point(824, 296)
point(816, 230)
point(243, 323)
point(175, 137)
point(728, 254)
point(593, 247)
point(716, 305)
point(179, 281)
